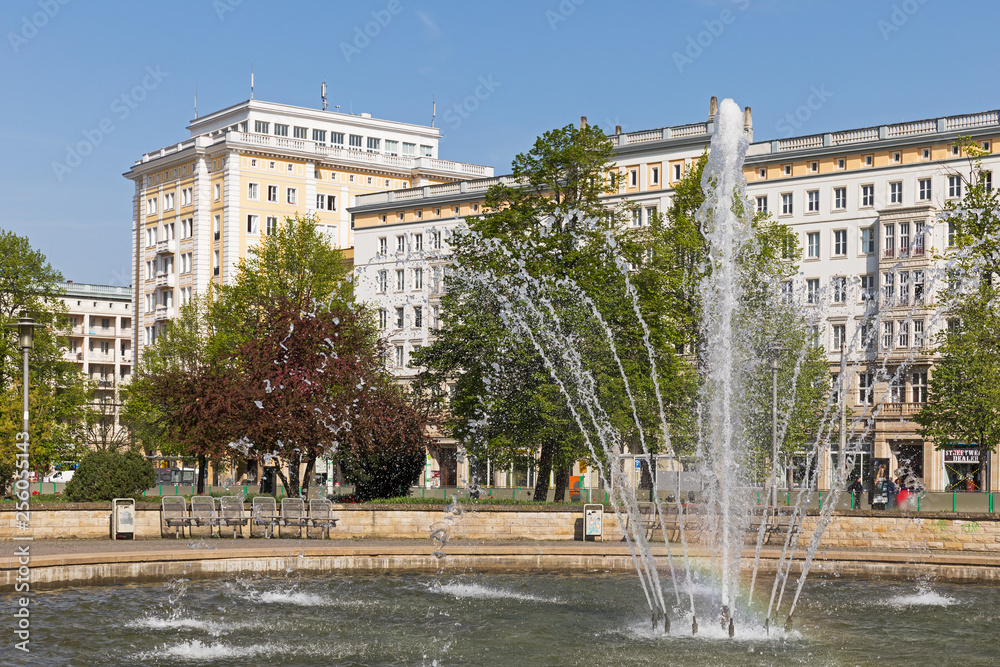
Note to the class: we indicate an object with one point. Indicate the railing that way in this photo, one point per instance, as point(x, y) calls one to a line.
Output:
point(641, 137)
point(797, 143)
point(889, 252)
point(162, 247)
point(162, 313)
point(164, 279)
point(102, 331)
point(97, 355)
point(688, 130)
point(915, 127)
point(971, 120)
point(900, 409)
point(855, 136)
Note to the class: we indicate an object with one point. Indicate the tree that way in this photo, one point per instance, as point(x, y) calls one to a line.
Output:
point(963, 396)
point(106, 475)
point(102, 428)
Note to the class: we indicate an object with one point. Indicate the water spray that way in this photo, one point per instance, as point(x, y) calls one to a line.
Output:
point(694, 625)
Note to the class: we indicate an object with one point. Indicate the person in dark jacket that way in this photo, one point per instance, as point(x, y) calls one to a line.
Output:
point(855, 490)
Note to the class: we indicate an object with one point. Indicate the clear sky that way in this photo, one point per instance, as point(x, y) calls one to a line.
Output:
point(65, 66)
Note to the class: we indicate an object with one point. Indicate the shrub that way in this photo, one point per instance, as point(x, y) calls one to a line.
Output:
point(385, 452)
point(109, 475)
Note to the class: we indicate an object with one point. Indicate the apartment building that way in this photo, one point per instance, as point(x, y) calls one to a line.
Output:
point(201, 203)
point(863, 203)
point(99, 339)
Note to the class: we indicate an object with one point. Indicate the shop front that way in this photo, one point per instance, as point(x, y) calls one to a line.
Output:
point(962, 468)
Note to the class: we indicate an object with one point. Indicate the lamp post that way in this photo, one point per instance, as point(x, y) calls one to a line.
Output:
point(774, 356)
point(26, 341)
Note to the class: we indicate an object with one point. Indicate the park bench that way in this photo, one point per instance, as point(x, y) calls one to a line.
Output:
point(232, 513)
point(653, 522)
point(777, 521)
point(203, 513)
point(293, 514)
point(174, 514)
point(264, 512)
point(321, 516)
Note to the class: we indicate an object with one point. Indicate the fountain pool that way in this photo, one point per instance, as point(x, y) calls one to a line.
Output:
point(481, 619)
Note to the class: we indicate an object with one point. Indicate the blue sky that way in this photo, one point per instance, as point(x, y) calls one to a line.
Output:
point(65, 65)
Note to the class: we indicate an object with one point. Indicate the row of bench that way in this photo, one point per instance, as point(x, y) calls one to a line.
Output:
point(777, 520)
point(231, 512)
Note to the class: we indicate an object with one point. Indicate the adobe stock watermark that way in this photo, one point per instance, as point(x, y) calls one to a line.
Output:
point(363, 37)
point(22, 583)
point(697, 44)
point(31, 24)
point(223, 7)
point(901, 13)
point(121, 108)
point(461, 111)
point(795, 120)
point(562, 12)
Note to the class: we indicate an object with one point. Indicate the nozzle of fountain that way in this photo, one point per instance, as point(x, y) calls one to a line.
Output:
point(654, 620)
point(666, 624)
point(732, 630)
point(694, 625)
point(767, 626)
point(725, 617)
point(788, 623)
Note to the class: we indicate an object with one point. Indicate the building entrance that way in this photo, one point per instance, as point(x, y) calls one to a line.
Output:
point(962, 467)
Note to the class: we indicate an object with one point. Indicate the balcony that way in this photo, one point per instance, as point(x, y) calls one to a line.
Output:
point(164, 280)
point(889, 253)
point(163, 313)
point(98, 356)
point(163, 248)
point(896, 410)
point(102, 331)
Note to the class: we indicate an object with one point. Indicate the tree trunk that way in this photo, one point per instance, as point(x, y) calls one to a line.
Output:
point(293, 478)
point(202, 471)
point(543, 469)
point(310, 465)
point(284, 481)
point(562, 482)
point(984, 466)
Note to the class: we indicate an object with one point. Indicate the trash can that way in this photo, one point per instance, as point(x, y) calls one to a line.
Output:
point(123, 519)
point(593, 522)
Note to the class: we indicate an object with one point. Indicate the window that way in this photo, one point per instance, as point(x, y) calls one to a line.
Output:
point(840, 242)
point(186, 262)
point(418, 278)
point(924, 189)
point(215, 263)
point(253, 191)
point(299, 132)
point(867, 195)
point(168, 201)
point(896, 193)
point(187, 228)
point(788, 170)
point(391, 147)
point(840, 198)
point(369, 180)
point(186, 194)
point(918, 287)
point(955, 149)
point(399, 317)
point(218, 191)
point(814, 166)
point(399, 355)
point(839, 336)
point(786, 203)
point(418, 241)
point(986, 178)
point(253, 224)
point(762, 173)
point(374, 145)
point(812, 203)
point(383, 281)
point(337, 138)
point(650, 212)
point(280, 130)
point(839, 288)
point(866, 388)
point(261, 127)
point(762, 204)
point(401, 243)
point(418, 317)
point(888, 287)
point(354, 142)
point(887, 334)
point(841, 163)
point(169, 232)
point(636, 217)
point(897, 388)
point(867, 241)
point(813, 245)
point(151, 206)
point(786, 291)
point(435, 316)
point(904, 288)
point(918, 385)
point(654, 176)
point(678, 169)
point(812, 290)
point(319, 136)
point(383, 245)
point(383, 318)
point(867, 287)
point(903, 337)
point(954, 187)
point(951, 233)
point(904, 239)
point(400, 280)
point(918, 335)
point(869, 160)
point(409, 150)
point(426, 151)
point(888, 240)
point(925, 154)
point(435, 240)
point(292, 195)
point(897, 157)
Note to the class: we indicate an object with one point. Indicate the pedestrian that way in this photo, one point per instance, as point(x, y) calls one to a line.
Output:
point(891, 493)
point(855, 490)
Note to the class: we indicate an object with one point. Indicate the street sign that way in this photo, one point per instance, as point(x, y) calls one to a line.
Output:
point(638, 464)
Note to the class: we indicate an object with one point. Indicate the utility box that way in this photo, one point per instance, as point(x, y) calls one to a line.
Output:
point(123, 519)
point(593, 522)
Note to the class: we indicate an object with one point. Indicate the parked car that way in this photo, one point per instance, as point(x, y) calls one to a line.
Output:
point(59, 476)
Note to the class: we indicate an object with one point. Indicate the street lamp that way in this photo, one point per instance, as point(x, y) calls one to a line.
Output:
point(774, 356)
point(26, 341)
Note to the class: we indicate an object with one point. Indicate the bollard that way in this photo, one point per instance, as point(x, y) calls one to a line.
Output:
point(445, 489)
point(953, 501)
point(918, 502)
point(852, 501)
point(820, 496)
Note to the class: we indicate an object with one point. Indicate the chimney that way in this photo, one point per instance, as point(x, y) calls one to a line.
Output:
point(747, 123)
point(713, 108)
point(583, 122)
point(618, 129)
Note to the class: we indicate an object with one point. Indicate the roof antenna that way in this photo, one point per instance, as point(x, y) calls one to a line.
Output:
point(434, 109)
point(251, 80)
point(323, 94)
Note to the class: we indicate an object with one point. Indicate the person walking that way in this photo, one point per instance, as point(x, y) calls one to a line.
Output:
point(855, 490)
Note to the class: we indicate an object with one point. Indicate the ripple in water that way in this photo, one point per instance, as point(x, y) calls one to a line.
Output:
point(924, 597)
point(487, 592)
point(199, 651)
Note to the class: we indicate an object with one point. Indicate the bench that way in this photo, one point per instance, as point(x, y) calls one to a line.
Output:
point(777, 521)
point(293, 515)
point(232, 513)
point(654, 522)
point(174, 514)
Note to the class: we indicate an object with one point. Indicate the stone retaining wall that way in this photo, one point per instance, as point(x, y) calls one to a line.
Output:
point(848, 529)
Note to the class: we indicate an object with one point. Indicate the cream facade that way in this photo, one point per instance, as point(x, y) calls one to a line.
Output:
point(200, 204)
point(864, 204)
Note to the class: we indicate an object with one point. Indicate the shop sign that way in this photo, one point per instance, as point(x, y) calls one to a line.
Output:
point(964, 455)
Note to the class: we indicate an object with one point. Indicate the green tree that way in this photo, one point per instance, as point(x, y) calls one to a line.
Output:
point(106, 475)
point(963, 396)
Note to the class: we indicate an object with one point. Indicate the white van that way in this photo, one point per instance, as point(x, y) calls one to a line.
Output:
point(59, 476)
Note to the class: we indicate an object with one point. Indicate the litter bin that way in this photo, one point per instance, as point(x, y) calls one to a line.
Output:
point(593, 522)
point(123, 519)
